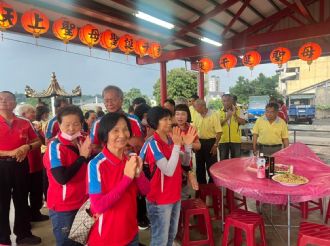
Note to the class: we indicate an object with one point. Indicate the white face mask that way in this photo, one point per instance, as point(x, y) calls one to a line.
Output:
point(144, 122)
point(70, 137)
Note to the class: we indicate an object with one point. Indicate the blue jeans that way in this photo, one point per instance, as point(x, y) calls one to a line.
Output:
point(62, 222)
point(164, 221)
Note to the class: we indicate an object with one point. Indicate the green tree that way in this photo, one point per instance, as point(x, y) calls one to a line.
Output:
point(180, 83)
point(260, 86)
point(130, 95)
point(215, 104)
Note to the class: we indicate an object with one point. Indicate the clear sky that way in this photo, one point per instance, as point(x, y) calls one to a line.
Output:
point(23, 63)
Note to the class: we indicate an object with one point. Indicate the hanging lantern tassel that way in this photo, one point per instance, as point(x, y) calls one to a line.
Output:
point(309, 52)
point(280, 56)
point(65, 30)
point(227, 61)
point(109, 41)
point(251, 59)
point(90, 36)
point(35, 22)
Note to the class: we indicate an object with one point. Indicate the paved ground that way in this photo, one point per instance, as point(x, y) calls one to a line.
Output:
point(274, 238)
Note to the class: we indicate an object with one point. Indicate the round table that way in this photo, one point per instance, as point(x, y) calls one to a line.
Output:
point(239, 176)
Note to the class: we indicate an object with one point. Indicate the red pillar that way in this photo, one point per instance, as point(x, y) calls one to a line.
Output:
point(163, 86)
point(201, 85)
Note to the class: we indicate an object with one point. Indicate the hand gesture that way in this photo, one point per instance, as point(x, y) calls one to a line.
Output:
point(213, 150)
point(85, 148)
point(229, 114)
point(190, 136)
point(21, 152)
point(130, 167)
point(193, 181)
point(176, 136)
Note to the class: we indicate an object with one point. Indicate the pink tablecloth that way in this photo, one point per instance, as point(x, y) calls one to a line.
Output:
point(236, 175)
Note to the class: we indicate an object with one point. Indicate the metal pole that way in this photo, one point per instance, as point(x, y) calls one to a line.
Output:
point(163, 86)
point(201, 85)
point(52, 99)
point(289, 221)
point(294, 136)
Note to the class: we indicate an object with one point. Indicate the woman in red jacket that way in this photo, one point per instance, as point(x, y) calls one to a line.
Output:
point(66, 164)
point(114, 179)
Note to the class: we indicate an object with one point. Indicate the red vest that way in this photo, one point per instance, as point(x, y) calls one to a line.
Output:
point(118, 225)
point(73, 194)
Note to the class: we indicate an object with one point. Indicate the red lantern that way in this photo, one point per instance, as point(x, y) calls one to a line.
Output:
point(65, 30)
point(280, 56)
point(109, 40)
point(251, 59)
point(126, 44)
point(205, 65)
point(35, 22)
point(8, 16)
point(89, 35)
point(227, 61)
point(155, 50)
point(141, 47)
point(309, 52)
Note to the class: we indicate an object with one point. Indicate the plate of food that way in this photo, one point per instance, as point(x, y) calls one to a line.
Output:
point(282, 168)
point(289, 179)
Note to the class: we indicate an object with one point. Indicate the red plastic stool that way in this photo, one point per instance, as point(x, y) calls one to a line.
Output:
point(190, 208)
point(305, 208)
point(328, 214)
point(211, 190)
point(231, 198)
point(247, 221)
point(310, 233)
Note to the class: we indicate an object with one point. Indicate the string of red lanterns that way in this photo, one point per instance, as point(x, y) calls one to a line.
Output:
point(37, 23)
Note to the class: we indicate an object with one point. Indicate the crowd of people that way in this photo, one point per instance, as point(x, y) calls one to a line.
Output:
point(135, 167)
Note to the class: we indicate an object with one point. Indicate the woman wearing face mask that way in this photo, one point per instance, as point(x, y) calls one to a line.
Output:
point(66, 164)
point(141, 111)
point(183, 119)
point(114, 180)
point(162, 153)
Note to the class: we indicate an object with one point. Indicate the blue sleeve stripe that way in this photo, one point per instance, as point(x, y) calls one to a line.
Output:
point(94, 176)
point(134, 118)
point(55, 154)
point(93, 130)
point(50, 126)
point(156, 151)
point(144, 150)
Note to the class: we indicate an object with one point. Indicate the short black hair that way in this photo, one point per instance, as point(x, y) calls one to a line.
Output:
point(195, 96)
point(40, 110)
point(139, 100)
point(155, 114)
point(141, 110)
point(70, 110)
point(272, 105)
point(235, 98)
point(171, 101)
point(10, 93)
point(185, 108)
point(88, 113)
point(59, 101)
point(108, 122)
point(100, 114)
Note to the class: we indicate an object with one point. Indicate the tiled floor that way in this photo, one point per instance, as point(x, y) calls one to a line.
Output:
point(279, 238)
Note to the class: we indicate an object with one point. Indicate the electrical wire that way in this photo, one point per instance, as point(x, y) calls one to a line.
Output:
point(80, 54)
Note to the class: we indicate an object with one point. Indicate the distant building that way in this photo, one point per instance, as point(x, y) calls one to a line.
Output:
point(213, 88)
point(296, 76)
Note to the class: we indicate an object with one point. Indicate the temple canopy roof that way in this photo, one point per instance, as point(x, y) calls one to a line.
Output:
point(53, 90)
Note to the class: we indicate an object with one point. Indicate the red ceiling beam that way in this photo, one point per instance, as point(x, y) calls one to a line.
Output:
point(238, 14)
point(259, 40)
point(322, 10)
point(299, 8)
point(304, 11)
point(218, 9)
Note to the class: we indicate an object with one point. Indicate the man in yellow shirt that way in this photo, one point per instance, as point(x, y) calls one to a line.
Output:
point(270, 132)
point(230, 142)
point(209, 133)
